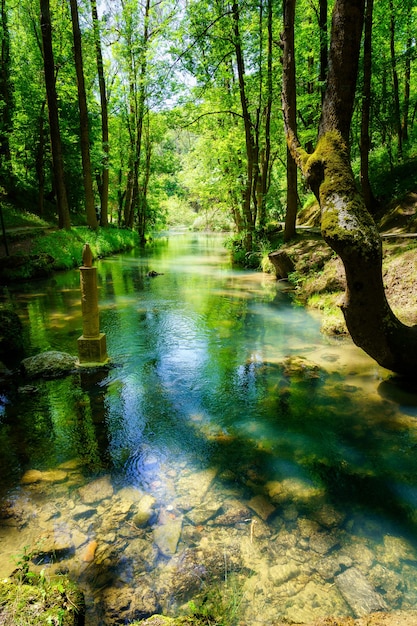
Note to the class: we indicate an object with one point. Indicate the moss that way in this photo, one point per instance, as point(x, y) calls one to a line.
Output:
point(345, 221)
point(43, 601)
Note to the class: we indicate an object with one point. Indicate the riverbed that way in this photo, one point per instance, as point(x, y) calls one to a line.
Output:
point(229, 450)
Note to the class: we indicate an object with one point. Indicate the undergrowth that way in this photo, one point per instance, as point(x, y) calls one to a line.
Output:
point(34, 598)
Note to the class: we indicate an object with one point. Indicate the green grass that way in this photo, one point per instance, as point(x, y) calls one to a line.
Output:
point(28, 597)
point(40, 248)
point(66, 246)
point(17, 218)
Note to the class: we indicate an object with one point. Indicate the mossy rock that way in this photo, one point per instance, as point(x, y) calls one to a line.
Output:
point(56, 601)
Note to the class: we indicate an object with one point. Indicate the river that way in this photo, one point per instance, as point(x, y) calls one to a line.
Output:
point(229, 448)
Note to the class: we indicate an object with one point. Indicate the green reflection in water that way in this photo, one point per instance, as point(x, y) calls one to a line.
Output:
point(200, 379)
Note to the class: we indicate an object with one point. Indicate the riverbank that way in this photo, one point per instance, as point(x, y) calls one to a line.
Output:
point(319, 280)
point(37, 250)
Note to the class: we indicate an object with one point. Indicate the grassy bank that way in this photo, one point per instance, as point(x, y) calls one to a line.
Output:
point(318, 279)
point(33, 248)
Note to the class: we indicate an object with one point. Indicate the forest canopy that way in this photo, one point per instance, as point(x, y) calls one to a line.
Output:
point(155, 112)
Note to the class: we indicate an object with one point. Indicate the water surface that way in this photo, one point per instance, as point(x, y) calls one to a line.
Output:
point(275, 458)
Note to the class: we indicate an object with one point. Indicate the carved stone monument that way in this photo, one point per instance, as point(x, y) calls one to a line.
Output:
point(92, 343)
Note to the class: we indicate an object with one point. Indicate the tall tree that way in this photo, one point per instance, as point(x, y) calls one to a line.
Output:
point(290, 104)
point(346, 225)
point(365, 140)
point(6, 103)
point(84, 130)
point(395, 80)
point(103, 176)
point(56, 145)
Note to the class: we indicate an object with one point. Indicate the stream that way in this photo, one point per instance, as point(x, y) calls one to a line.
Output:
point(229, 453)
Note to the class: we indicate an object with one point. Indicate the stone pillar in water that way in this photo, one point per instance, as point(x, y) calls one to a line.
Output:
point(92, 343)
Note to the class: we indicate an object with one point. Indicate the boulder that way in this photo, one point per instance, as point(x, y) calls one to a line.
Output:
point(96, 491)
point(51, 364)
point(166, 537)
point(359, 593)
point(122, 605)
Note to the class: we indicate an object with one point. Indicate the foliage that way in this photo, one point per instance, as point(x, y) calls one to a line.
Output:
point(177, 85)
point(33, 598)
point(219, 605)
point(49, 250)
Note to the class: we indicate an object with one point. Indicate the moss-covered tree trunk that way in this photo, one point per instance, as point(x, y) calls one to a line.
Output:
point(346, 224)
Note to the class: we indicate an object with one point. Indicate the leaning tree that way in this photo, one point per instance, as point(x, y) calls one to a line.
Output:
point(346, 224)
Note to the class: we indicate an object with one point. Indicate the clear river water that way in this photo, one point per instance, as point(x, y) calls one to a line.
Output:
point(229, 450)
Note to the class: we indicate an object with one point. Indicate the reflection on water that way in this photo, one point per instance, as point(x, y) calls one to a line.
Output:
point(229, 440)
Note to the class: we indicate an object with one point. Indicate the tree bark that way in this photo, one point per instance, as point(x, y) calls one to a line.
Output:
point(40, 162)
point(82, 105)
point(265, 154)
point(56, 146)
point(290, 107)
point(346, 225)
point(104, 176)
point(396, 88)
point(252, 161)
point(365, 141)
point(6, 97)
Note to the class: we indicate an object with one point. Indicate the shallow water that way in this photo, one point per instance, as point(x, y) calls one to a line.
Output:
point(295, 481)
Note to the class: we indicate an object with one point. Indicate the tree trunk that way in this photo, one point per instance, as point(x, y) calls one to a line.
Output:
point(324, 65)
point(292, 199)
point(104, 177)
point(56, 147)
point(6, 99)
point(396, 88)
point(366, 108)
point(407, 80)
point(346, 225)
point(265, 156)
point(290, 105)
point(40, 162)
point(82, 105)
point(252, 162)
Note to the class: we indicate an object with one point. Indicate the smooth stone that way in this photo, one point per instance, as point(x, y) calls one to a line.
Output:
point(166, 537)
point(54, 476)
point(203, 513)
point(280, 574)
point(97, 490)
point(145, 511)
point(193, 488)
point(30, 477)
point(262, 507)
point(359, 593)
point(89, 552)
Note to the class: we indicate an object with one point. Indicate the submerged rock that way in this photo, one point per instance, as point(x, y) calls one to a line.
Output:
point(51, 364)
point(122, 605)
point(359, 593)
point(145, 512)
point(97, 490)
point(167, 536)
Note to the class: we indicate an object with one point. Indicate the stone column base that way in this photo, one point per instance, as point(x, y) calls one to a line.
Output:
point(92, 349)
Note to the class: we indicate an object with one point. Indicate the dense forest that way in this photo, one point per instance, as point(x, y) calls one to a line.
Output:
point(150, 114)
point(142, 113)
